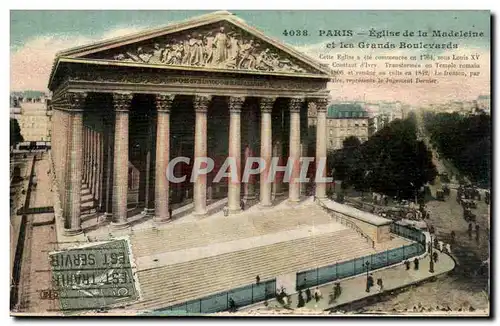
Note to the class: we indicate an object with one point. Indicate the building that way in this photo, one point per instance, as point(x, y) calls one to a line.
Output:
point(345, 120)
point(155, 98)
point(32, 111)
point(124, 109)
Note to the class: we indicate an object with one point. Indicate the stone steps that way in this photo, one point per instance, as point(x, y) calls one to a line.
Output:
point(204, 232)
point(168, 285)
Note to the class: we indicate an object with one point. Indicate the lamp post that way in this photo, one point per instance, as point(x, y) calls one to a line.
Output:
point(431, 262)
point(367, 264)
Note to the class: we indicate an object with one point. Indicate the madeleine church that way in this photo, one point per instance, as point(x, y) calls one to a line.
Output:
point(211, 86)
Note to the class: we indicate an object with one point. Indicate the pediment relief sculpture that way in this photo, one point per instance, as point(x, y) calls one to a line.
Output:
point(223, 47)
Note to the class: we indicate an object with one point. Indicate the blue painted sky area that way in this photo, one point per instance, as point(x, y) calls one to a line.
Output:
point(28, 25)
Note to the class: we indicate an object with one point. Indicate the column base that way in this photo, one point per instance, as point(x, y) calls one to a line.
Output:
point(264, 206)
point(200, 214)
point(149, 211)
point(234, 210)
point(72, 232)
point(249, 197)
point(164, 220)
point(293, 202)
point(119, 225)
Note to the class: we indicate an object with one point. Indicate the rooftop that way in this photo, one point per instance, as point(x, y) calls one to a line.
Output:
point(346, 110)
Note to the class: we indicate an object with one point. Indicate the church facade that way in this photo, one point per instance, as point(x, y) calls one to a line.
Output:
point(211, 86)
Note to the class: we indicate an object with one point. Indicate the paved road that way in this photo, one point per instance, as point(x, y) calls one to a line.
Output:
point(466, 286)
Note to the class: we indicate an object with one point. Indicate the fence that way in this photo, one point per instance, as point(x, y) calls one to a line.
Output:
point(408, 232)
point(318, 276)
point(242, 296)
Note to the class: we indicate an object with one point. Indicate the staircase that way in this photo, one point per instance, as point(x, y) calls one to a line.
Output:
point(215, 230)
point(169, 285)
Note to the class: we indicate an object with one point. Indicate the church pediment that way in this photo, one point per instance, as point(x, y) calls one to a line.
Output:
point(222, 44)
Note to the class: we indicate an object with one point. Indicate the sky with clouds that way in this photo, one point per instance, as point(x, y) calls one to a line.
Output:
point(36, 36)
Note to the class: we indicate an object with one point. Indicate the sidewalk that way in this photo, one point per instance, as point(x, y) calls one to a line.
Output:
point(353, 289)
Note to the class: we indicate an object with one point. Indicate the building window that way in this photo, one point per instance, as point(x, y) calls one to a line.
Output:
point(331, 132)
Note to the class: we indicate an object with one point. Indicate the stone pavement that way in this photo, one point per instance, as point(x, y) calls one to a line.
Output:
point(353, 289)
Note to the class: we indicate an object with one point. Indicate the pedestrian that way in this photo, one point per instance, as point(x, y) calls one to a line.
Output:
point(441, 244)
point(170, 211)
point(369, 280)
point(317, 294)
point(435, 256)
point(308, 295)
point(452, 235)
point(407, 264)
point(436, 243)
point(448, 248)
point(380, 284)
point(232, 305)
point(416, 263)
point(242, 204)
point(257, 279)
point(301, 301)
point(470, 230)
point(337, 290)
point(226, 211)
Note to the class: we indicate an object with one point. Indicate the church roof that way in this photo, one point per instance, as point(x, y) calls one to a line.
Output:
point(163, 48)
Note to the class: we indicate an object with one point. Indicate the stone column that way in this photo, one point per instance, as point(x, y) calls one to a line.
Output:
point(163, 105)
point(121, 104)
point(200, 150)
point(294, 188)
point(89, 157)
point(92, 162)
point(97, 177)
point(266, 106)
point(321, 139)
point(66, 157)
point(234, 184)
point(85, 153)
point(72, 221)
point(110, 136)
point(149, 202)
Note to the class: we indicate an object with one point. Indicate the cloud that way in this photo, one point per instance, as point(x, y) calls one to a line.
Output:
point(30, 64)
point(448, 87)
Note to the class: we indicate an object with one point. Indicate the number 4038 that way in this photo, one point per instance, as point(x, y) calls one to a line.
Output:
point(296, 32)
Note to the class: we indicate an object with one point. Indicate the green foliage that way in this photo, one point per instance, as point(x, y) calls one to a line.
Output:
point(392, 161)
point(465, 141)
point(15, 132)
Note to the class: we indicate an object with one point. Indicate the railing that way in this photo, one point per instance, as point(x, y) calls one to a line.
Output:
point(318, 276)
point(326, 274)
point(242, 296)
point(347, 222)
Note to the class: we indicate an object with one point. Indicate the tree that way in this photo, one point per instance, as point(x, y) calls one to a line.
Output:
point(15, 132)
point(465, 141)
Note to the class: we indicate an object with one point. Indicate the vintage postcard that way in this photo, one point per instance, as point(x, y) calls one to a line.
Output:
point(223, 163)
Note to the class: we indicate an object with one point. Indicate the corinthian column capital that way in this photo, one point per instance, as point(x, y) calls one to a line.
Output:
point(164, 102)
point(122, 101)
point(201, 102)
point(296, 104)
point(235, 104)
point(75, 101)
point(266, 104)
point(319, 104)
